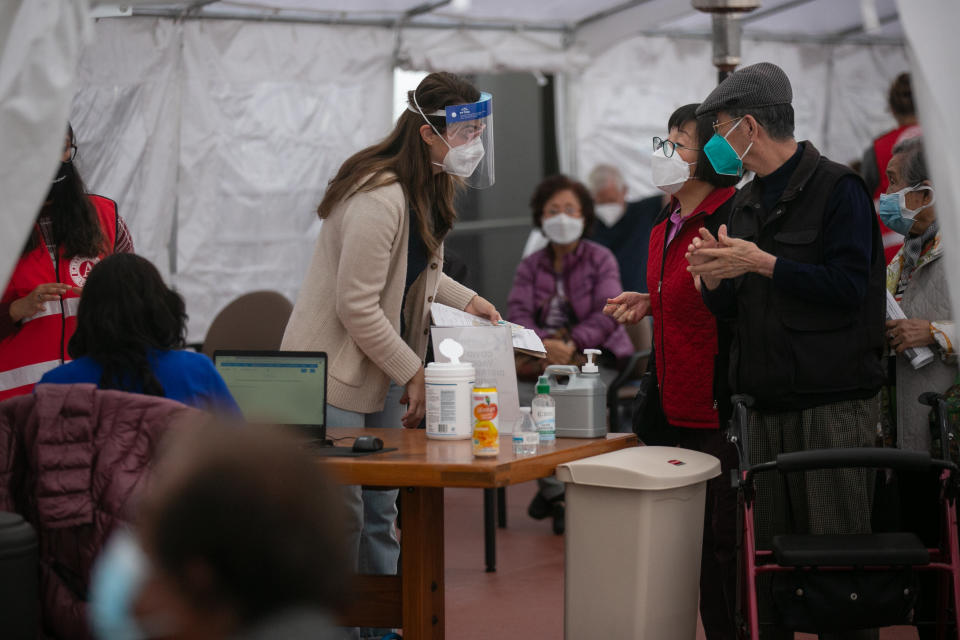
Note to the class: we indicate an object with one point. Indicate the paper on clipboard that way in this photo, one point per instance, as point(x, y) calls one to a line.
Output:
point(524, 340)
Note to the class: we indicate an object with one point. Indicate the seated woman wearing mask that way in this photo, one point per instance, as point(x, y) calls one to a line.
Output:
point(691, 346)
point(131, 330)
point(73, 230)
point(559, 292)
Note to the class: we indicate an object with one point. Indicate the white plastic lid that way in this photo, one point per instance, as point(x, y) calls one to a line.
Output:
point(453, 350)
point(642, 468)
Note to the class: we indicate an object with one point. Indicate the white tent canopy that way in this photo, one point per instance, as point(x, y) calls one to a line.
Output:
point(216, 125)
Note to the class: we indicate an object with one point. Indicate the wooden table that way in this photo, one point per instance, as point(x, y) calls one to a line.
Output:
point(422, 468)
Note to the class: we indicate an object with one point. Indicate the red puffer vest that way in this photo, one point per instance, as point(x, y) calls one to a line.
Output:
point(40, 344)
point(684, 330)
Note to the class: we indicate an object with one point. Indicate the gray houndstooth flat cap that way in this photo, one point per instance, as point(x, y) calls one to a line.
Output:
point(759, 85)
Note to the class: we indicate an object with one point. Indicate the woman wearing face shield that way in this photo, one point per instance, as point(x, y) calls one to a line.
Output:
point(73, 231)
point(377, 268)
point(690, 345)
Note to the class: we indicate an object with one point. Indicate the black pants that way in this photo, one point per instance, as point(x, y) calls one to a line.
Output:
point(718, 561)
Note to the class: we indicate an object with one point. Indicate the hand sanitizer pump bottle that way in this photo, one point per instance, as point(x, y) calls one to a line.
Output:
point(582, 402)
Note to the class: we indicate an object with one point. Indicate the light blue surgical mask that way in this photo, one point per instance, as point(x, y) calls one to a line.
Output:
point(892, 208)
point(722, 156)
point(117, 578)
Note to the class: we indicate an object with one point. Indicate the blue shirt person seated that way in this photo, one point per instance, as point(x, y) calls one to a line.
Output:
point(131, 328)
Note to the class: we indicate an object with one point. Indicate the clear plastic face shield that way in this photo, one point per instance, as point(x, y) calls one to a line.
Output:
point(469, 136)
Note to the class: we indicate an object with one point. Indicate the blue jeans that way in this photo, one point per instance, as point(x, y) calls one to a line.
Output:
point(373, 538)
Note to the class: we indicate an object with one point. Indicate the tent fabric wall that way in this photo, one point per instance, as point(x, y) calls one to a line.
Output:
point(233, 128)
point(269, 113)
point(40, 43)
point(931, 32)
point(126, 115)
point(466, 51)
point(625, 95)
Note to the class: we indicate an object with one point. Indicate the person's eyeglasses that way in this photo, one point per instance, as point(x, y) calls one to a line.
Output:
point(717, 125)
point(73, 151)
point(669, 146)
point(570, 211)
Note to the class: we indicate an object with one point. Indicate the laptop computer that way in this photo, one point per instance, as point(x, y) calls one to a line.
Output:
point(278, 387)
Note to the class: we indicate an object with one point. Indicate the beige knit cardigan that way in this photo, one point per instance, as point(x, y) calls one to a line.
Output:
point(349, 304)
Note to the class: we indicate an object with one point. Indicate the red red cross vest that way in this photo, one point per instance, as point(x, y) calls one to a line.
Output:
point(40, 343)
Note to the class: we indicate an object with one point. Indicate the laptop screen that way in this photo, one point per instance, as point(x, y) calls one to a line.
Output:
point(277, 387)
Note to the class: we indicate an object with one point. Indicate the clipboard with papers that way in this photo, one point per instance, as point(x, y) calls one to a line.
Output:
point(524, 340)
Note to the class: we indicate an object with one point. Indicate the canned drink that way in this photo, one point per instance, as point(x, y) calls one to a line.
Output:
point(486, 422)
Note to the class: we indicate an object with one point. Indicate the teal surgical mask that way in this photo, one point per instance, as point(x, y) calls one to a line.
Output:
point(722, 156)
point(118, 576)
point(892, 208)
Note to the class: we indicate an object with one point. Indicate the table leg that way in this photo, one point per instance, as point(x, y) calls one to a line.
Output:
point(502, 507)
point(490, 529)
point(421, 558)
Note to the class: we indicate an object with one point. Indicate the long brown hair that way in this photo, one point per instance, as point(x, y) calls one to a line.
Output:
point(404, 154)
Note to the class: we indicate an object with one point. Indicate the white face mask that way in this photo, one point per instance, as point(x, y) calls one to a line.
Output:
point(669, 174)
point(610, 212)
point(562, 229)
point(463, 160)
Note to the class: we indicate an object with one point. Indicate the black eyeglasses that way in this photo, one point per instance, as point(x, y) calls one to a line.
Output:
point(73, 151)
point(669, 146)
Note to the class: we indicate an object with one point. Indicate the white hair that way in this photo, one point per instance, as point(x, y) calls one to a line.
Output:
point(604, 174)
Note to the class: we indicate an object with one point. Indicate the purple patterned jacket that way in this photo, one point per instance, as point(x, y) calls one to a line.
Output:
point(590, 276)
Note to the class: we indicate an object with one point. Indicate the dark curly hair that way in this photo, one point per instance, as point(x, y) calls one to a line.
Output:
point(126, 310)
point(552, 186)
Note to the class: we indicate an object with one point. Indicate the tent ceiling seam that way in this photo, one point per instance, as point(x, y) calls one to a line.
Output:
point(756, 36)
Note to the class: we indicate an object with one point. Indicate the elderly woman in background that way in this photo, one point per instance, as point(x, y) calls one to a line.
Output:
point(917, 278)
point(560, 291)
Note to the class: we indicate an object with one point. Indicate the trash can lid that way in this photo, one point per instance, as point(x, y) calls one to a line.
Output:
point(642, 468)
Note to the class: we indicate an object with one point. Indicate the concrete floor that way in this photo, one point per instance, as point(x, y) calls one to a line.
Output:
point(523, 599)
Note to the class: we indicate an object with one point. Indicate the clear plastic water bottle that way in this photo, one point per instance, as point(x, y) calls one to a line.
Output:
point(544, 410)
point(525, 435)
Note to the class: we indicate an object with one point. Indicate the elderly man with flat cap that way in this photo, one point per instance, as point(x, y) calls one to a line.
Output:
point(800, 273)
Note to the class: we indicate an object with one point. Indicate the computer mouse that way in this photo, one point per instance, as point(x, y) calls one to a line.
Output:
point(367, 443)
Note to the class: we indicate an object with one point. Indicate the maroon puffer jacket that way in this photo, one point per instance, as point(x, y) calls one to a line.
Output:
point(71, 457)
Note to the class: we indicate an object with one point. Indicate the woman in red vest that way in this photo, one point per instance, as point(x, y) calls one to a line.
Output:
point(691, 346)
point(73, 231)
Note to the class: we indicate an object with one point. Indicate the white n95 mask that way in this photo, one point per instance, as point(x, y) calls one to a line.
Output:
point(562, 229)
point(463, 160)
point(669, 174)
point(610, 212)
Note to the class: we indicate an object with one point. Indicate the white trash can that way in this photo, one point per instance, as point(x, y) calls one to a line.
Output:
point(632, 552)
